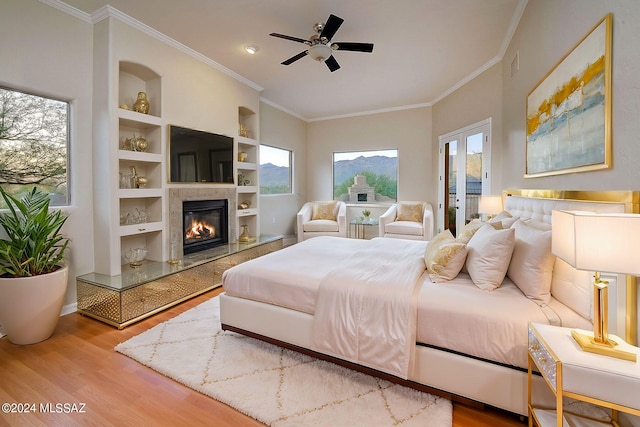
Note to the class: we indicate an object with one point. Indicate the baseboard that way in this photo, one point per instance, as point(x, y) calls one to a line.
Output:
point(69, 308)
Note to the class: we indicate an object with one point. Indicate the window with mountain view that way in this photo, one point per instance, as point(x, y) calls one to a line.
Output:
point(34, 135)
point(275, 170)
point(379, 169)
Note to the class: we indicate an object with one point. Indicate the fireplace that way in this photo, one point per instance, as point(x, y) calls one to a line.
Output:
point(205, 224)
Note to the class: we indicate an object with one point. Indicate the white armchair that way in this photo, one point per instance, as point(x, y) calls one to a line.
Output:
point(322, 219)
point(407, 220)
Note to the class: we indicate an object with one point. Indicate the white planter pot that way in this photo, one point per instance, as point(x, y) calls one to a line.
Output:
point(30, 306)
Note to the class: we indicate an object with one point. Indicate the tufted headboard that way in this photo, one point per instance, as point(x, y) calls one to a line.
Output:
point(570, 287)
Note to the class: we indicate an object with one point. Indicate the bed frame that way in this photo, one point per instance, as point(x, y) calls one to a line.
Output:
point(438, 371)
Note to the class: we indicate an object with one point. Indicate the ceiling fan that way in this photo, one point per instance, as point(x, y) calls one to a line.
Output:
point(320, 45)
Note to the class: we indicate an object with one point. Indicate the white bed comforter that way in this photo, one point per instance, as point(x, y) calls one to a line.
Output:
point(366, 307)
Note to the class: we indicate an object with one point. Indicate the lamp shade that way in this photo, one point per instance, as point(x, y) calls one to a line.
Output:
point(597, 242)
point(320, 52)
point(490, 204)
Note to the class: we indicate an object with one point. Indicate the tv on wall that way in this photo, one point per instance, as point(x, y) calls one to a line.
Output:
point(199, 156)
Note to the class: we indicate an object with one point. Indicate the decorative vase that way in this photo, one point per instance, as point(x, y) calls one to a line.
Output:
point(142, 104)
point(245, 237)
point(30, 306)
point(242, 156)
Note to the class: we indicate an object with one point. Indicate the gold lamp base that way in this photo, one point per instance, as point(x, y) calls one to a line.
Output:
point(608, 348)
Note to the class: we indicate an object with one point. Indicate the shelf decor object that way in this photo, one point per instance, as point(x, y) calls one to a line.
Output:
point(600, 243)
point(142, 103)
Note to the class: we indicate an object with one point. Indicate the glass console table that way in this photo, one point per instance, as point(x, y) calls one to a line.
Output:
point(360, 225)
point(155, 285)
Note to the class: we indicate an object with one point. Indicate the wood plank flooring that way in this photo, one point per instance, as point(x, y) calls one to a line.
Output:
point(76, 378)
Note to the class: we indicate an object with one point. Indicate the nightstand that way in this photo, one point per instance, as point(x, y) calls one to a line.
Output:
point(570, 372)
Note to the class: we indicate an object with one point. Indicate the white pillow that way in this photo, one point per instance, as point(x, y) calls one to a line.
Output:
point(531, 266)
point(444, 257)
point(488, 255)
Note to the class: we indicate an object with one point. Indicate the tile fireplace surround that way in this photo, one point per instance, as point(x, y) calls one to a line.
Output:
point(179, 195)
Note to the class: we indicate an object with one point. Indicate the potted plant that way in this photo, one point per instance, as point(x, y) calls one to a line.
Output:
point(33, 274)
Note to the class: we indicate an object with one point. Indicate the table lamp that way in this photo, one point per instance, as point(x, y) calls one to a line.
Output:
point(600, 243)
point(490, 205)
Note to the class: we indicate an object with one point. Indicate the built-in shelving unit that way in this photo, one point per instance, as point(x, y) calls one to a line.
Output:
point(129, 213)
point(248, 171)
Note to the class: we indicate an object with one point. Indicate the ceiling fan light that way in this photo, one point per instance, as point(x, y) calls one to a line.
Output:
point(320, 52)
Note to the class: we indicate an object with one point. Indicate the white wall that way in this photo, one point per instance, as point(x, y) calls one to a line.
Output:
point(548, 30)
point(49, 53)
point(479, 99)
point(409, 131)
point(281, 130)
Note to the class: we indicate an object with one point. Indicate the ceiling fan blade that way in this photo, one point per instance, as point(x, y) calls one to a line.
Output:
point(332, 63)
point(294, 58)
point(354, 47)
point(330, 28)
point(293, 39)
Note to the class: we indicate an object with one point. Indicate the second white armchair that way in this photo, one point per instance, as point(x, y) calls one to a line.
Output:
point(407, 220)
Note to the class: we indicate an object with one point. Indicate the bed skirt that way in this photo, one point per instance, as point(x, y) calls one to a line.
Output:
point(455, 376)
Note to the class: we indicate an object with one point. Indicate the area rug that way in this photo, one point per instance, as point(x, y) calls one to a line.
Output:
point(273, 385)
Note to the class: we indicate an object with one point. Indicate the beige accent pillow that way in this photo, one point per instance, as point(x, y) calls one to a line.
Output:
point(531, 266)
point(504, 218)
point(444, 257)
point(470, 229)
point(409, 212)
point(323, 210)
point(488, 256)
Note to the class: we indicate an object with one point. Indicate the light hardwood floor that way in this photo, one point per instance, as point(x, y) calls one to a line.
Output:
point(78, 367)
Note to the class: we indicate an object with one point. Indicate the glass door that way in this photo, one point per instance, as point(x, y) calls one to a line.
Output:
point(464, 177)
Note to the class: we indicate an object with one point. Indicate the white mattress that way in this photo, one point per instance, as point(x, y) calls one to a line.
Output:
point(454, 315)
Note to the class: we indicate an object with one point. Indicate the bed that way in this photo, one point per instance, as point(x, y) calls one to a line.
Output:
point(375, 306)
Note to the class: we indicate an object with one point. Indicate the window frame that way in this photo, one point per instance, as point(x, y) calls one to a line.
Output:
point(361, 152)
point(55, 202)
point(290, 168)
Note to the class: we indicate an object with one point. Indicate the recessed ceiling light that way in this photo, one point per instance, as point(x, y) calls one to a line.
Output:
point(251, 49)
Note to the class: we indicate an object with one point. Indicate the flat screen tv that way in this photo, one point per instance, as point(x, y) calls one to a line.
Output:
point(199, 156)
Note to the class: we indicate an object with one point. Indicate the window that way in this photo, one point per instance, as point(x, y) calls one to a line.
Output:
point(34, 140)
point(275, 170)
point(365, 176)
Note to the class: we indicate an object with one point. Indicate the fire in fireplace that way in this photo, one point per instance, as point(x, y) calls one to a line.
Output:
point(205, 224)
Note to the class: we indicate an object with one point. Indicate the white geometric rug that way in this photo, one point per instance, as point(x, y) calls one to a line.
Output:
point(276, 386)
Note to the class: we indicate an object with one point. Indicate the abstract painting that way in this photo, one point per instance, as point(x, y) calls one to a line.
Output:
point(569, 111)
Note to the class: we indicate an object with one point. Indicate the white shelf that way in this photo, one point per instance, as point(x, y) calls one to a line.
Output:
point(145, 227)
point(247, 212)
point(136, 193)
point(139, 156)
point(138, 120)
point(244, 189)
point(247, 141)
point(247, 166)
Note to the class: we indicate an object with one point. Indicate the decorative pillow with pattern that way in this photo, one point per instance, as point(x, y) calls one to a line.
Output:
point(323, 210)
point(409, 212)
point(444, 257)
point(470, 229)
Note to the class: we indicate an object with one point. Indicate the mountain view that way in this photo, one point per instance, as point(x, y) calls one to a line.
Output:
point(275, 179)
point(380, 165)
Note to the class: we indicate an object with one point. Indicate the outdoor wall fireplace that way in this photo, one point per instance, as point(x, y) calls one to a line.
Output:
point(205, 224)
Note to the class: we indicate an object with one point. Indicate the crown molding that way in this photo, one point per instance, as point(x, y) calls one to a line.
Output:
point(69, 10)
point(111, 12)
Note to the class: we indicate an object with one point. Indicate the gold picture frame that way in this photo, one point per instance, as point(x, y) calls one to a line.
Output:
point(569, 110)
